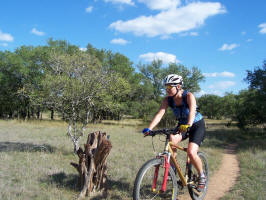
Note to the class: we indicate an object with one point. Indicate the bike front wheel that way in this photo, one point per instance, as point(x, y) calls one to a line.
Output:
point(193, 178)
point(145, 179)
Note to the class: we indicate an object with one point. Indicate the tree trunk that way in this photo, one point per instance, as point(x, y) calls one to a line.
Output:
point(38, 112)
point(92, 164)
point(52, 114)
point(28, 112)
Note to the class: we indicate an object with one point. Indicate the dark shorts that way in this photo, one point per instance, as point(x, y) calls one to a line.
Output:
point(196, 133)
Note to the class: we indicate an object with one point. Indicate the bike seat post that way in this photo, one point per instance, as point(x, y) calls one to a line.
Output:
point(167, 142)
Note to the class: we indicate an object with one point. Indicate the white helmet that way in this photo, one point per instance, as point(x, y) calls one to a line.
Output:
point(173, 79)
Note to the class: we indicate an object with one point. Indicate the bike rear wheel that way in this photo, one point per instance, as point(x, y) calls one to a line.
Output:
point(144, 182)
point(193, 178)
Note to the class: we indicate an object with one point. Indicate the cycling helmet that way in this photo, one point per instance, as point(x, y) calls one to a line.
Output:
point(173, 79)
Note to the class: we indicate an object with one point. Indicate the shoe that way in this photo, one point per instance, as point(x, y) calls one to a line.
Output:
point(201, 183)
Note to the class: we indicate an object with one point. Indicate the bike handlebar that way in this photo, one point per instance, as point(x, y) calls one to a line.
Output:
point(162, 132)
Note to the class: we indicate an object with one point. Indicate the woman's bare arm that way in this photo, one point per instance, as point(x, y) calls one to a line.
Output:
point(191, 100)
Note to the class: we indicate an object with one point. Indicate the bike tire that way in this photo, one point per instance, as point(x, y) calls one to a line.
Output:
point(144, 181)
point(194, 194)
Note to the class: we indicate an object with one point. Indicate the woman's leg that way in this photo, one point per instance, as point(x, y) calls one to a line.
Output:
point(196, 136)
point(196, 161)
point(192, 153)
point(175, 139)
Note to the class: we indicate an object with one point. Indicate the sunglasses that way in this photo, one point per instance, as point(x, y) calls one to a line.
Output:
point(169, 86)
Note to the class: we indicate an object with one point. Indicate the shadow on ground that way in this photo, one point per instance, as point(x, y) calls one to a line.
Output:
point(244, 139)
point(25, 147)
point(219, 138)
point(120, 186)
point(69, 182)
point(62, 180)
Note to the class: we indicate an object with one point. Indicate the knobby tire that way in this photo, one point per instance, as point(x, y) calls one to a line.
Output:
point(195, 195)
point(144, 181)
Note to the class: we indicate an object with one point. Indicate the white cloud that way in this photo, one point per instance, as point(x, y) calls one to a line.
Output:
point(249, 40)
point(228, 47)
point(36, 32)
point(129, 2)
point(82, 49)
point(89, 9)
point(159, 5)
point(189, 34)
point(222, 85)
point(221, 74)
point(227, 74)
point(165, 37)
point(262, 28)
point(216, 92)
point(167, 22)
point(212, 91)
point(243, 33)
point(6, 37)
point(119, 41)
point(200, 93)
point(194, 34)
point(164, 57)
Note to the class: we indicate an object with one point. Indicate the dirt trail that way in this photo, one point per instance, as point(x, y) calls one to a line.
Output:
point(224, 178)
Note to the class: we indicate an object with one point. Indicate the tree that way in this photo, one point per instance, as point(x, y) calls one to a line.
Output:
point(33, 73)
point(228, 104)
point(71, 86)
point(248, 110)
point(211, 106)
point(16, 70)
point(257, 79)
point(126, 101)
point(10, 81)
point(153, 88)
point(75, 85)
point(191, 78)
point(154, 74)
point(251, 107)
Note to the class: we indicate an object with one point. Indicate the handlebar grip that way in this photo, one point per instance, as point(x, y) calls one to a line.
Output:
point(163, 131)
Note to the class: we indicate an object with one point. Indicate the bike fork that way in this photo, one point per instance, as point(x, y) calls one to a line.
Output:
point(155, 178)
point(166, 171)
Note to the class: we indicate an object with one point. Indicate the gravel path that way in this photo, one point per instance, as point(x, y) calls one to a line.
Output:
point(222, 181)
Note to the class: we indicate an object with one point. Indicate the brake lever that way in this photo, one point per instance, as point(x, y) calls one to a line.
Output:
point(148, 134)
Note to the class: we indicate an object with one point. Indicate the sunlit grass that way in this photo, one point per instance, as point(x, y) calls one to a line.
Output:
point(36, 155)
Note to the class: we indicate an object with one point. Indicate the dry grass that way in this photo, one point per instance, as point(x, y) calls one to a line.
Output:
point(252, 158)
point(35, 157)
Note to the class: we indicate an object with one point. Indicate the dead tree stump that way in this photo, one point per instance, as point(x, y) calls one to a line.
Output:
point(92, 164)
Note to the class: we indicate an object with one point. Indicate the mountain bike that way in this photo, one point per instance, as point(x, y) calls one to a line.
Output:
point(157, 179)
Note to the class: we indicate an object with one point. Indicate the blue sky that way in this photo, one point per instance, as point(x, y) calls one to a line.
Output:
point(223, 38)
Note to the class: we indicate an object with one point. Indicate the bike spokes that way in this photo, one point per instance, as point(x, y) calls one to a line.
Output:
point(152, 182)
point(194, 179)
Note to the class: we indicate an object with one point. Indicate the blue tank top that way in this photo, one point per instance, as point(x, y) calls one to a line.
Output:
point(181, 112)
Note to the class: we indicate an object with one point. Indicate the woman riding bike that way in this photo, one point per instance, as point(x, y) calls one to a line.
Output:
point(191, 123)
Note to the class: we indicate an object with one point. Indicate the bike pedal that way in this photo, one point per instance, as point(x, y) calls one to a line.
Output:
point(180, 185)
point(194, 186)
point(181, 192)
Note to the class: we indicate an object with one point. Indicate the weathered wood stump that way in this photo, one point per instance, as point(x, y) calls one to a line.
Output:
point(92, 164)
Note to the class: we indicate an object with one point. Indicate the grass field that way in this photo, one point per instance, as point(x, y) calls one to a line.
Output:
point(251, 153)
point(35, 157)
